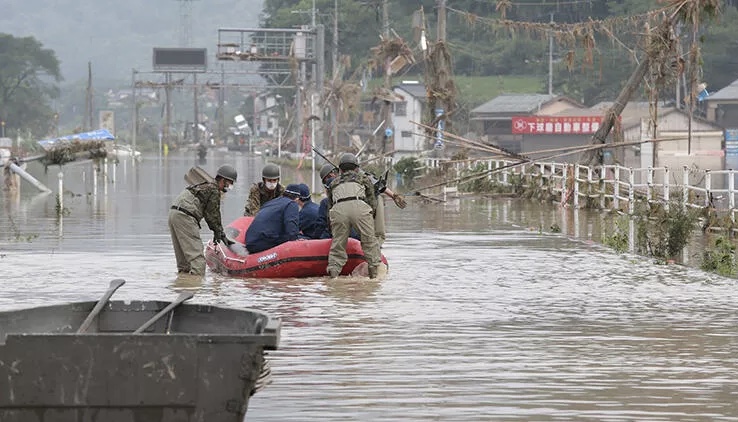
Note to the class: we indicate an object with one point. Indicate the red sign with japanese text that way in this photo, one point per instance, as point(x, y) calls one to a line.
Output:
point(556, 125)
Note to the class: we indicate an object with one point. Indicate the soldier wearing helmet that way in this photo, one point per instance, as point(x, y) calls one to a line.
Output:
point(196, 202)
point(327, 170)
point(352, 204)
point(323, 230)
point(266, 190)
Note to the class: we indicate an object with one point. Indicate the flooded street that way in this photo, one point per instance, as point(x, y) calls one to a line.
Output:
point(484, 315)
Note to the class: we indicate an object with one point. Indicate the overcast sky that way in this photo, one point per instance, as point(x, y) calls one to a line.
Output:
point(117, 36)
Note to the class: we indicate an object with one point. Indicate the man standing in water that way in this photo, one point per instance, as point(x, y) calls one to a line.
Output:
point(266, 190)
point(352, 203)
point(198, 201)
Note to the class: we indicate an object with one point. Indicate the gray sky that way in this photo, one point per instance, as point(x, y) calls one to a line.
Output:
point(120, 35)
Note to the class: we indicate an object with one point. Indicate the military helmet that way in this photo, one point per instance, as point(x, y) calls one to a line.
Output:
point(227, 172)
point(326, 170)
point(348, 161)
point(270, 171)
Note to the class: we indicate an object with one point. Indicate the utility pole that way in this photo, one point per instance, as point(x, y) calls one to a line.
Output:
point(87, 124)
point(440, 109)
point(335, 40)
point(221, 104)
point(386, 112)
point(195, 126)
point(441, 20)
point(299, 129)
point(680, 52)
point(550, 57)
point(134, 125)
point(334, 77)
point(167, 108)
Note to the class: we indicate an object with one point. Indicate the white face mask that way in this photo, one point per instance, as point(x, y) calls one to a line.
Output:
point(271, 185)
point(226, 188)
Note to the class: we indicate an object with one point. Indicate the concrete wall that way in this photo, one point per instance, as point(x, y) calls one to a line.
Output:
point(706, 154)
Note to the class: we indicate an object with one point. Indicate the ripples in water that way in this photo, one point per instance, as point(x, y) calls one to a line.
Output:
point(482, 316)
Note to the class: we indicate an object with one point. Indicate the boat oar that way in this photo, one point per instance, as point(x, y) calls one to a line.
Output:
point(114, 285)
point(181, 298)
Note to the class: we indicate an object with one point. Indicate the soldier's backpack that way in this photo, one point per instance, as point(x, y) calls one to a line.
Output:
point(198, 176)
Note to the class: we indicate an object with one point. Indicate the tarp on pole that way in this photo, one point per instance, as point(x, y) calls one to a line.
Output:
point(94, 136)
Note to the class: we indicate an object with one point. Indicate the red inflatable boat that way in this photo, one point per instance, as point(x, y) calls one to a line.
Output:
point(298, 258)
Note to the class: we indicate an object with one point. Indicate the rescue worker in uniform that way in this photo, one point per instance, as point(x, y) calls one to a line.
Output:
point(266, 190)
point(278, 221)
point(351, 203)
point(308, 213)
point(323, 224)
point(197, 202)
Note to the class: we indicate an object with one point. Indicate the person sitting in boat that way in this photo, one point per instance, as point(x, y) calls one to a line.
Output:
point(266, 190)
point(308, 213)
point(198, 201)
point(277, 221)
point(352, 203)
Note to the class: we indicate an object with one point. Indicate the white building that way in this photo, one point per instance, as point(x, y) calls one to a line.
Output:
point(409, 106)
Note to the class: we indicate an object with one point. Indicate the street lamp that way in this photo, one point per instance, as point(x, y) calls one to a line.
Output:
point(2, 128)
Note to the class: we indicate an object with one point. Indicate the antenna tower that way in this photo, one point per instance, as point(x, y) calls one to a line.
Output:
point(185, 23)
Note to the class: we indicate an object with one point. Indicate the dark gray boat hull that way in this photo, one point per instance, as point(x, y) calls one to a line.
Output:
point(204, 370)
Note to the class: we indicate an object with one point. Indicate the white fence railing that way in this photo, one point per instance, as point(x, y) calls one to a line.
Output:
point(606, 186)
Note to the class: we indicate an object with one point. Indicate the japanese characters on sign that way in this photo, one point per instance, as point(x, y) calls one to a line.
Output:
point(556, 125)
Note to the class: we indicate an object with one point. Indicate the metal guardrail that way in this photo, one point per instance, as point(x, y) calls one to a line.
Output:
point(609, 186)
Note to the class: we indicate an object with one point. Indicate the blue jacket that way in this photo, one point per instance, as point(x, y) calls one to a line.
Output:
point(309, 220)
point(322, 226)
point(277, 221)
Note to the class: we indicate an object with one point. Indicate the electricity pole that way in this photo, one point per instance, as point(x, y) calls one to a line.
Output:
point(334, 77)
point(386, 112)
point(441, 20)
point(134, 126)
point(195, 126)
point(440, 110)
point(87, 125)
point(167, 108)
point(550, 57)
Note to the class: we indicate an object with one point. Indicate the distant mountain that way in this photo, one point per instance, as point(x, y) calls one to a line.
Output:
point(117, 36)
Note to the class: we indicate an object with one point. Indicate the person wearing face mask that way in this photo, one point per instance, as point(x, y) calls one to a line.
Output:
point(278, 221)
point(308, 213)
point(264, 191)
point(196, 202)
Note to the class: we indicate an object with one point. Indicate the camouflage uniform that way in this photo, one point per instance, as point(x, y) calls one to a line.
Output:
point(192, 205)
point(352, 203)
point(258, 195)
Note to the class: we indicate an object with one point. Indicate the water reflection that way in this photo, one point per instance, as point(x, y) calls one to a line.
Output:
point(485, 313)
